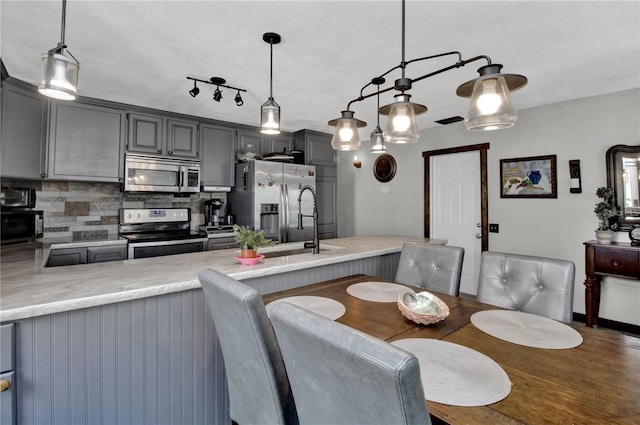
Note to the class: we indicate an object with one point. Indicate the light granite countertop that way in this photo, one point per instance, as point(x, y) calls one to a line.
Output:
point(28, 289)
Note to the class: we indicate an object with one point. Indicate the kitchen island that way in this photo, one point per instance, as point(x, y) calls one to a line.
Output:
point(132, 341)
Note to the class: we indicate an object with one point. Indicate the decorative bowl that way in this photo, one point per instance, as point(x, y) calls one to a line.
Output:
point(250, 261)
point(422, 307)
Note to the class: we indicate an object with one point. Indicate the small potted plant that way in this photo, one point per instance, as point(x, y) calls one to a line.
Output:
point(605, 210)
point(249, 241)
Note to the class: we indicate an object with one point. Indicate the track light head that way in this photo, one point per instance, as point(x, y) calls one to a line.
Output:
point(217, 95)
point(195, 90)
point(238, 99)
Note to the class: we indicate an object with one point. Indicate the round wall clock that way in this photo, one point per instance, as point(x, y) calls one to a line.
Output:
point(384, 168)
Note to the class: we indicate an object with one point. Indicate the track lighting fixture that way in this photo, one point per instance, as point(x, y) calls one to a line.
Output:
point(238, 99)
point(195, 90)
point(270, 110)
point(217, 94)
point(490, 105)
point(59, 72)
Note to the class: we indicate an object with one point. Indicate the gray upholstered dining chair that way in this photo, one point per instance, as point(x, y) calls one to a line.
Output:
point(430, 266)
point(536, 285)
point(259, 390)
point(340, 375)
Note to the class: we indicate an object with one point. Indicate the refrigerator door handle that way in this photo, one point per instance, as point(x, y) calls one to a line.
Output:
point(281, 214)
point(286, 213)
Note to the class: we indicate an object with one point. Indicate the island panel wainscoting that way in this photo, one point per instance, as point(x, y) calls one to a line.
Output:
point(132, 342)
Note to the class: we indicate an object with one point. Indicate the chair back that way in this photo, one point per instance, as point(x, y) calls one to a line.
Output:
point(340, 375)
point(432, 267)
point(259, 391)
point(536, 285)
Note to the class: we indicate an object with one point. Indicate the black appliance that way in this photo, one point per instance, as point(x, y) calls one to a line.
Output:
point(19, 222)
point(154, 232)
point(215, 212)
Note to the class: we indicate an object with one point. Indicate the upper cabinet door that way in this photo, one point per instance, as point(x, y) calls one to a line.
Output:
point(182, 138)
point(216, 155)
point(85, 142)
point(145, 134)
point(316, 146)
point(23, 132)
point(280, 143)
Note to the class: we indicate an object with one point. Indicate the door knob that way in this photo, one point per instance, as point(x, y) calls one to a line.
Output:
point(5, 384)
point(478, 225)
point(478, 235)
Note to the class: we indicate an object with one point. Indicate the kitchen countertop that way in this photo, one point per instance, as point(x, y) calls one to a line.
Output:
point(28, 289)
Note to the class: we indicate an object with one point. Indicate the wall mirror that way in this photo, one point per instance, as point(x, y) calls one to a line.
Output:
point(623, 177)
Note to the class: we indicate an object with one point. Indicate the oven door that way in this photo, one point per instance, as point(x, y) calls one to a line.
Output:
point(158, 249)
point(151, 174)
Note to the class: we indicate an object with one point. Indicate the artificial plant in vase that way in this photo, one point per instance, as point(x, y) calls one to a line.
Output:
point(605, 210)
point(249, 241)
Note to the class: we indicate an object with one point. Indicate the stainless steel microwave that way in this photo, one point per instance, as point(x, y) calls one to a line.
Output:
point(21, 225)
point(144, 173)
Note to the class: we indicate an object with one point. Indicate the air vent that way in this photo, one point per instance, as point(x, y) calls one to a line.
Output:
point(450, 120)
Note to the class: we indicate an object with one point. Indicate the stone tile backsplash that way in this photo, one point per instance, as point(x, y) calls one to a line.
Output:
point(84, 210)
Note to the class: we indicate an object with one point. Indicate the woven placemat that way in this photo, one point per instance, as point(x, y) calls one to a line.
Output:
point(456, 375)
point(331, 309)
point(382, 292)
point(526, 329)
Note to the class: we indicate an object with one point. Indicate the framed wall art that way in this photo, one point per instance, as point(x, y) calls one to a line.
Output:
point(530, 177)
point(384, 168)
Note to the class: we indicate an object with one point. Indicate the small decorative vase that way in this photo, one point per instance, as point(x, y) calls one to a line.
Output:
point(248, 253)
point(604, 236)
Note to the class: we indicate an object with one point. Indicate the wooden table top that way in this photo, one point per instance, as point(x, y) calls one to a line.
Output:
point(597, 382)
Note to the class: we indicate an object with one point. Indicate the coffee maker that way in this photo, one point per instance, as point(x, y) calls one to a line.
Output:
point(215, 212)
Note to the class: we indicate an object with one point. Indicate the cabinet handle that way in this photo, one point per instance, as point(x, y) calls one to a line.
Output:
point(159, 150)
point(616, 263)
point(5, 384)
point(170, 152)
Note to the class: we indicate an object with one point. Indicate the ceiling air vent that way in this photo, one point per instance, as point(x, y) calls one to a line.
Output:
point(450, 120)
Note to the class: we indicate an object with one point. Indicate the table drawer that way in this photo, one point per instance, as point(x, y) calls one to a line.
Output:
point(619, 262)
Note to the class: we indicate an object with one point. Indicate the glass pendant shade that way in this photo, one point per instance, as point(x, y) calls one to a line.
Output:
point(491, 107)
point(346, 137)
point(377, 141)
point(270, 117)
point(59, 75)
point(401, 126)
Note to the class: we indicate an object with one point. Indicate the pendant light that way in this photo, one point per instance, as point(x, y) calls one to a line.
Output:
point(377, 136)
point(491, 107)
point(59, 72)
point(346, 137)
point(270, 110)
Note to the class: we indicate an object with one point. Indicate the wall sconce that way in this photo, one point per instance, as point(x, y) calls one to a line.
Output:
point(490, 106)
point(356, 162)
point(217, 94)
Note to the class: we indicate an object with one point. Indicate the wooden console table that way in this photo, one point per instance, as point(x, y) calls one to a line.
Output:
point(618, 260)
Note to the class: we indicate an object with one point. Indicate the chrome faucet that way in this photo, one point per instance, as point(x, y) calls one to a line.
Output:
point(316, 242)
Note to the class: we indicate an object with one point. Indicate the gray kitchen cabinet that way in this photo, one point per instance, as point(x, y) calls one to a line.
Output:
point(85, 142)
point(67, 257)
point(23, 129)
point(264, 144)
point(316, 146)
point(217, 144)
point(7, 374)
point(326, 191)
point(158, 135)
point(101, 254)
point(226, 242)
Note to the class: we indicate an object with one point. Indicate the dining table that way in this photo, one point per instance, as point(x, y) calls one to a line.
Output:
point(597, 382)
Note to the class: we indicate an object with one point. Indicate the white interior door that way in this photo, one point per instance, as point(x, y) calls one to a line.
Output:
point(455, 209)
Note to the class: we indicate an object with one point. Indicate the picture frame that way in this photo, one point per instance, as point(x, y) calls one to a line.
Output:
point(529, 177)
point(384, 168)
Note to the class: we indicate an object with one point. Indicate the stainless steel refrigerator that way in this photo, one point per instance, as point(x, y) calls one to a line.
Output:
point(265, 197)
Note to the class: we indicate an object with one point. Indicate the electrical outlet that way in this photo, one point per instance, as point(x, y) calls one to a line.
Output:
point(494, 228)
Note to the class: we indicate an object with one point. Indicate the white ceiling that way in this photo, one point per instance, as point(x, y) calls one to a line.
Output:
point(140, 52)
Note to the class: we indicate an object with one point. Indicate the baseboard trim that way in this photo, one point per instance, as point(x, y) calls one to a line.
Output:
point(610, 324)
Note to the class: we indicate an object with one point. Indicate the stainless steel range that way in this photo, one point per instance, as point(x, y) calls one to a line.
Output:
point(154, 232)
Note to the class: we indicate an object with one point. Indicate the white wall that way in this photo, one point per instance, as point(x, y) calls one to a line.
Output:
point(582, 129)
